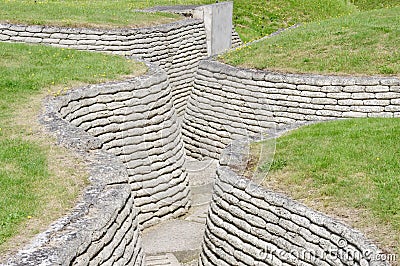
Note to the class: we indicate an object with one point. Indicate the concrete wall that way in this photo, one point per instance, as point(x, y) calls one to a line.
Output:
point(136, 121)
point(103, 227)
point(218, 23)
point(228, 103)
point(250, 225)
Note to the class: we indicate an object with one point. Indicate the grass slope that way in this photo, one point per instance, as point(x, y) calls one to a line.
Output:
point(351, 164)
point(257, 18)
point(361, 43)
point(26, 181)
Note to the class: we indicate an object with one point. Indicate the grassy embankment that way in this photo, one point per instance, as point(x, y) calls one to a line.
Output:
point(257, 18)
point(364, 43)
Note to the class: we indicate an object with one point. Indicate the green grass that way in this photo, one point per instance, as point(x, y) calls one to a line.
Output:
point(96, 13)
point(361, 43)
point(257, 18)
point(28, 71)
point(352, 163)
point(23, 166)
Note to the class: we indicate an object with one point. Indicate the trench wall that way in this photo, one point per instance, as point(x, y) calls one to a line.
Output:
point(135, 120)
point(128, 133)
point(250, 225)
point(102, 229)
point(177, 47)
point(229, 103)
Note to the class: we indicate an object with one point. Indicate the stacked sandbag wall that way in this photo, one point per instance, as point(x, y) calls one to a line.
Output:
point(102, 229)
point(135, 120)
point(228, 103)
point(177, 47)
point(236, 41)
point(248, 224)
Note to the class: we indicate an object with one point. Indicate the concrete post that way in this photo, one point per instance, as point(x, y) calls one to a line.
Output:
point(218, 23)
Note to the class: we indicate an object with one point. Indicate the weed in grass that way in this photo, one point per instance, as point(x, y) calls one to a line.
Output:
point(385, 70)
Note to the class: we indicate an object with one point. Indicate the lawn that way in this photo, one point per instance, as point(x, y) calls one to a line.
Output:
point(344, 167)
point(363, 43)
point(33, 187)
point(256, 18)
point(348, 168)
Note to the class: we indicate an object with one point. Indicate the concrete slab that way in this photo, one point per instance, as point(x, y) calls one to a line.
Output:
point(179, 237)
point(191, 263)
point(198, 214)
point(201, 179)
point(201, 172)
point(162, 260)
point(201, 199)
point(218, 24)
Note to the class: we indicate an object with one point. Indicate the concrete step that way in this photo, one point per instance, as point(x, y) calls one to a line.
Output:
point(201, 179)
point(201, 199)
point(181, 238)
point(167, 259)
point(201, 173)
point(197, 214)
point(191, 263)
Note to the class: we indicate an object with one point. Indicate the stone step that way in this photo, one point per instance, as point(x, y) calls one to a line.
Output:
point(201, 173)
point(200, 199)
point(180, 237)
point(167, 259)
point(197, 214)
